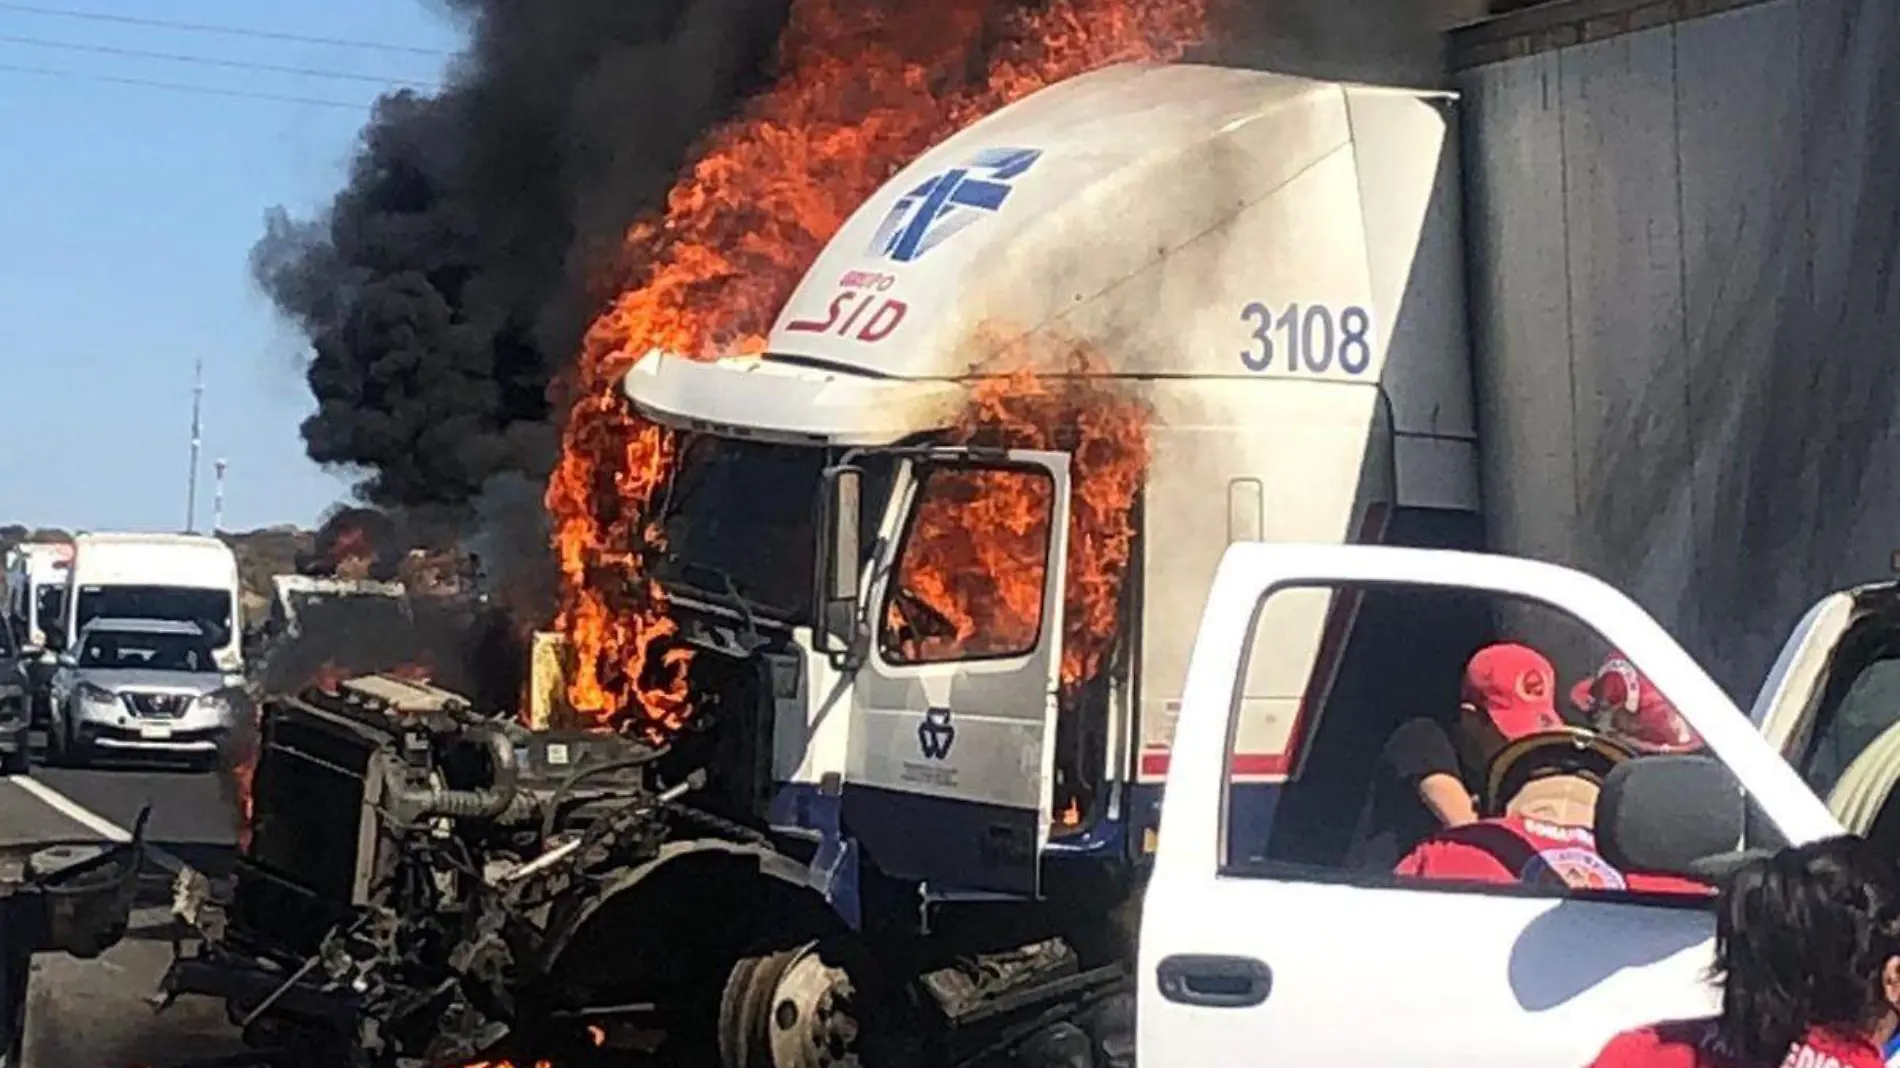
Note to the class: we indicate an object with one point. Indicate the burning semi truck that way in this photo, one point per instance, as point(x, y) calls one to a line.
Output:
point(922, 648)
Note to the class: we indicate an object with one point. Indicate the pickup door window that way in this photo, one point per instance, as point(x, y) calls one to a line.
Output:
point(1272, 940)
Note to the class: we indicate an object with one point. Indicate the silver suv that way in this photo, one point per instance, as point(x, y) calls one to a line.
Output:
point(141, 687)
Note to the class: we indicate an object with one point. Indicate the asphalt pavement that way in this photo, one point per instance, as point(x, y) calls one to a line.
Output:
point(96, 1014)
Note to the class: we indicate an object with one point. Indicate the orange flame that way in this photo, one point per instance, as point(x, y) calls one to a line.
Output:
point(975, 554)
point(858, 93)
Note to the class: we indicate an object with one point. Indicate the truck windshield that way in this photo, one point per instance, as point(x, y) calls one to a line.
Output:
point(131, 651)
point(740, 515)
point(210, 609)
point(314, 611)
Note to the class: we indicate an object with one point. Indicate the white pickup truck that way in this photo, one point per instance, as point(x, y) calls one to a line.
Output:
point(1284, 947)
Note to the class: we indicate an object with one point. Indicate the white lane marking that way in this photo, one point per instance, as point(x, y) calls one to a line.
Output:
point(91, 820)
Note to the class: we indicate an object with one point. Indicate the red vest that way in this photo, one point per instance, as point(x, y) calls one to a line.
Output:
point(1513, 849)
point(1693, 1044)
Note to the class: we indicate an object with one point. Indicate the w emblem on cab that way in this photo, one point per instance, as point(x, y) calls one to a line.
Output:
point(946, 203)
point(935, 735)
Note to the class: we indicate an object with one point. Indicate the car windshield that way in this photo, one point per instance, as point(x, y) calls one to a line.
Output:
point(741, 512)
point(210, 609)
point(134, 651)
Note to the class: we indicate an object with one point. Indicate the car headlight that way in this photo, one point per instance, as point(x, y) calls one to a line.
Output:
point(96, 695)
point(218, 703)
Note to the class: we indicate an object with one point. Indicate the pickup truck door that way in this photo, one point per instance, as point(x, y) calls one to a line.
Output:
point(1831, 705)
point(1301, 967)
point(949, 771)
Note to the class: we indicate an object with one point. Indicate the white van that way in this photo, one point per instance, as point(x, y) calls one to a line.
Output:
point(184, 577)
point(36, 585)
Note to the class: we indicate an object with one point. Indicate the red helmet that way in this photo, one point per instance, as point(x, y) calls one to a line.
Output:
point(1626, 706)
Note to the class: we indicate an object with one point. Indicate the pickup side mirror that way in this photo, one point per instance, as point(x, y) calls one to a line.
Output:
point(1671, 815)
point(836, 632)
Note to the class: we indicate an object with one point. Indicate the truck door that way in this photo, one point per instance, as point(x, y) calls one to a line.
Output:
point(1285, 951)
point(949, 772)
point(1831, 705)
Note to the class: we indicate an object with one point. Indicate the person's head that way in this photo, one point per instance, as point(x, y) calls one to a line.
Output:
point(1529, 761)
point(1623, 704)
point(1808, 937)
point(1509, 692)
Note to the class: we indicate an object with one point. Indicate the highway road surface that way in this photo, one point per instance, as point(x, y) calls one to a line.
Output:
point(95, 1014)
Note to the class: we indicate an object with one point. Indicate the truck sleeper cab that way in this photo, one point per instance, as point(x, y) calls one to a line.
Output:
point(1267, 265)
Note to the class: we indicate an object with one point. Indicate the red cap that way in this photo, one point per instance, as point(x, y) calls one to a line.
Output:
point(1515, 688)
point(1626, 705)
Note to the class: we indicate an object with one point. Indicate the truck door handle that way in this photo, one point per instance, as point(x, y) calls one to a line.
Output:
point(1214, 982)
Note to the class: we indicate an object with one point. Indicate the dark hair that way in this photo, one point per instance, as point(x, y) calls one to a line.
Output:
point(1802, 939)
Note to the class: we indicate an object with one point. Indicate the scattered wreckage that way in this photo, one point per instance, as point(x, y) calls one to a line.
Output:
point(428, 885)
point(424, 884)
point(60, 897)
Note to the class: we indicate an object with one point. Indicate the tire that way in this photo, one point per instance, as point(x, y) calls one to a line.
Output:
point(17, 762)
point(56, 746)
point(807, 1006)
point(15, 971)
point(70, 753)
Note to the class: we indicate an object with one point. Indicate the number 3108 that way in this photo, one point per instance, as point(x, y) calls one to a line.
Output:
point(1308, 337)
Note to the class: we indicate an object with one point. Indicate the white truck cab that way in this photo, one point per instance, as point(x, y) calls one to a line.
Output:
point(1268, 264)
point(1240, 952)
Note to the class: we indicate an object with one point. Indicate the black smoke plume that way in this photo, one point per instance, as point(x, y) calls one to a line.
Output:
point(452, 277)
point(449, 283)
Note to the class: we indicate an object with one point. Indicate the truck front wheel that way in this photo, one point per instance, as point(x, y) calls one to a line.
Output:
point(809, 1006)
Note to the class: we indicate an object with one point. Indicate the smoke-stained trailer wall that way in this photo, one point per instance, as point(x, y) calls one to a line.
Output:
point(1683, 220)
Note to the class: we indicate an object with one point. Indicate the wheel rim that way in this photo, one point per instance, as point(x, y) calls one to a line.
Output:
point(809, 1019)
point(797, 1008)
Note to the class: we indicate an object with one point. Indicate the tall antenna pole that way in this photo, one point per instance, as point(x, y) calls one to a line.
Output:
point(217, 496)
point(191, 483)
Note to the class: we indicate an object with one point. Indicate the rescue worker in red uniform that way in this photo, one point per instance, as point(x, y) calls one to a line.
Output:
point(1807, 946)
point(1540, 791)
point(1625, 705)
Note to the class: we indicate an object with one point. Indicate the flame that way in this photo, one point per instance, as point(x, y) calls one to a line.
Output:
point(858, 93)
point(243, 772)
point(975, 554)
point(328, 676)
point(412, 672)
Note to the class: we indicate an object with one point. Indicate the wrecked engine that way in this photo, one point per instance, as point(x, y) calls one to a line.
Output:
point(416, 872)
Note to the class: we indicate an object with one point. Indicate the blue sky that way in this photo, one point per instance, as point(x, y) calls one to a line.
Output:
point(126, 217)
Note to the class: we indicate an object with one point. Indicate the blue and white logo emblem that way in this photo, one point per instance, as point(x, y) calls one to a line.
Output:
point(944, 204)
point(935, 734)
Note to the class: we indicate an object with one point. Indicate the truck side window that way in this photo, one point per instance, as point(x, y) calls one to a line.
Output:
point(970, 566)
point(1536, 707)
